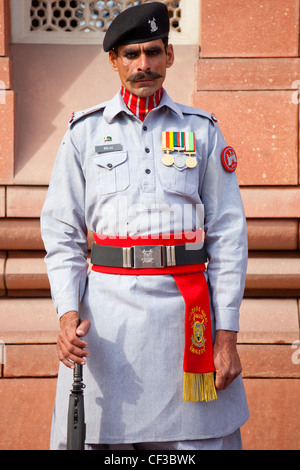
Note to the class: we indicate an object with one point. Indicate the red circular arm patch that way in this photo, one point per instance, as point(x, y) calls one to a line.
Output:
point(229, 159)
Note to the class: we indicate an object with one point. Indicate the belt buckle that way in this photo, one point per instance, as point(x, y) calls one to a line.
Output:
point(145, 257)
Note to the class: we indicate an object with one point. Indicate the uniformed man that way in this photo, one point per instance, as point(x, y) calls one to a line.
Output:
point(152, 180)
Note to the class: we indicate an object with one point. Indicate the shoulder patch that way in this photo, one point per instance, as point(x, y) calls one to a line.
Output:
point(229, 159)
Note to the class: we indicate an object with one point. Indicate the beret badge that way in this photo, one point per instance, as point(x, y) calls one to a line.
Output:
point(153, 25)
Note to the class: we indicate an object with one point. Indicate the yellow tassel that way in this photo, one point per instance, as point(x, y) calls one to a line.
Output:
point(199, 387)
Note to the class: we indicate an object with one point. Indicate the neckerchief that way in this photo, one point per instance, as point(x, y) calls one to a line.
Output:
point(140, 106)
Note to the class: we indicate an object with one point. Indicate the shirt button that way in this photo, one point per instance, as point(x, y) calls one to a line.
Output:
point(148, 171)
point(145, 128)
point(147, 150)
point(109, 165)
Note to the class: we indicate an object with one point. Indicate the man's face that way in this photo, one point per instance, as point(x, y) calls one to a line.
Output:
point(142, 67)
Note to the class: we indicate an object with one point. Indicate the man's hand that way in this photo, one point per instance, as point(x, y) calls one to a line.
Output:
point(226, 359)
point(69, 346)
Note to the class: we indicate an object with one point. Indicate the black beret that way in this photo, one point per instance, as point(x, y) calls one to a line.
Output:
point(138, 24)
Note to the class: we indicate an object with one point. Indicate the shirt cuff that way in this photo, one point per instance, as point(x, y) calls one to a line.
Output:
point(227, 319)
point(65, 305)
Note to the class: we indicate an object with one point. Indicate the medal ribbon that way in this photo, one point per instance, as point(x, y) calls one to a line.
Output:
point(175, 140)
point(198, 368)
point(189, 140)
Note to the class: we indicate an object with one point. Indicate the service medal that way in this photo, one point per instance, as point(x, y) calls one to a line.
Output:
point(179, 160)
point(167, 146)
point(191, 162)
point(167, 159)
point(182, 142)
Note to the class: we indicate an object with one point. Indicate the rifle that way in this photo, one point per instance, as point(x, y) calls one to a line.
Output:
point(76, 423)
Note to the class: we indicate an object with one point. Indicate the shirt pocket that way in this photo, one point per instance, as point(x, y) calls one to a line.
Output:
point(181, 180)
point(111, 172)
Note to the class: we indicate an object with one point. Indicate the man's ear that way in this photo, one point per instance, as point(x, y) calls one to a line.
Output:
point(170, 56)
point(112, 57)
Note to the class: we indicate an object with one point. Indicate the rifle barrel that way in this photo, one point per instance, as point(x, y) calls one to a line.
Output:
point(76, 422)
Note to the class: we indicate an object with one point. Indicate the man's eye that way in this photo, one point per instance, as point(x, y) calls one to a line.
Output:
point(154, 52)
point(131, 55)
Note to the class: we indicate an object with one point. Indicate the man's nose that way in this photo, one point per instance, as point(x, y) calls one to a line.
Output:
point(143, 64)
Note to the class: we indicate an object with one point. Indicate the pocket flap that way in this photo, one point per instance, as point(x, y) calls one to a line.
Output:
point(110, 160)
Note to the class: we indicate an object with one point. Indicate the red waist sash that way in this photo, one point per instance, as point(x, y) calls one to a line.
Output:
point(198, 367)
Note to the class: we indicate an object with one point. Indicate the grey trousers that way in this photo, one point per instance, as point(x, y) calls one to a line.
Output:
point(231, 442)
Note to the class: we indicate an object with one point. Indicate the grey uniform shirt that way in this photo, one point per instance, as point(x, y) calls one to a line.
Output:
point(134, 374)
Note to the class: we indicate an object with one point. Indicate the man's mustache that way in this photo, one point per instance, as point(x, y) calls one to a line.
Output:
point(144, 76)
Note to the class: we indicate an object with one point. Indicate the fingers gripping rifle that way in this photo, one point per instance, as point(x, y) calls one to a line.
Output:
point(76, 422)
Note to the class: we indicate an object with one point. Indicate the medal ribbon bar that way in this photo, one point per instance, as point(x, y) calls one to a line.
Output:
point(180, 141)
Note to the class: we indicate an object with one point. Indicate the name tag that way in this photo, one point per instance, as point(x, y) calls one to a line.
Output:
point(108, 148)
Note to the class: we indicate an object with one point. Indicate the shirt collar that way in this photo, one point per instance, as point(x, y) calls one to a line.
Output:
point(117, 106)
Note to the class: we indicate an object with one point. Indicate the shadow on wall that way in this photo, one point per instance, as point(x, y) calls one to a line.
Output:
point(52, 81)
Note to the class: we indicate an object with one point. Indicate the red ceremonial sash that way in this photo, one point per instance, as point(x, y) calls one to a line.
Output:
point(198, 367)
